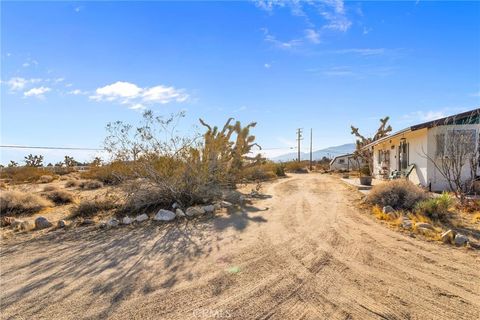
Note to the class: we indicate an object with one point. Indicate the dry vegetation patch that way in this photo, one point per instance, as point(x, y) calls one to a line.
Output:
point(17, 203)
point(90, 208)
point(60, 196)
point(399, 194)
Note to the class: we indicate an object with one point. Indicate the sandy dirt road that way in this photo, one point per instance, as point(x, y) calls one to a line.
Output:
point(311, 255)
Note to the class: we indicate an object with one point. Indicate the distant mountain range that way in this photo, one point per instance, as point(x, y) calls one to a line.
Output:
point(330, 152)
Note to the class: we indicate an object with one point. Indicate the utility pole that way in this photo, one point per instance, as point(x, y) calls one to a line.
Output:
point(311, 135)
point(299, 138)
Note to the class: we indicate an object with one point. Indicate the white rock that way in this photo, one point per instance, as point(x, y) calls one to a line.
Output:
point(460, 239)
point(209, 208)
point(164, 215)
point(127, 220)
point(175, 205)
point(225, 204)
point(113, 222)
point(387, 209)
point(141, 218)
point(423, 225)
point(195, 211)
point(406, 223)
point(179, 213)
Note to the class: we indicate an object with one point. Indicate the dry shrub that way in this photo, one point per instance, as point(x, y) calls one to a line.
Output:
point(400, 194)
point(45, 179)
point(266, 171)
point(60, 196)
point(91, 185)
point(49, 188)
point(18, 203)
point(112, 174)
point(23, 174)
point(72, 184)
point(296, 167)
point(90, 208)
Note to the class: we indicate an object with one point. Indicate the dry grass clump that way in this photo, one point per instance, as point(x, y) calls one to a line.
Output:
point(60, 196)
point(90, 185)
point(266, 171)
point(90, 208)
point(72, 184)
point(113, 173)
point(17, 175)
point(17, 203)
point(400, 194)
point(49, 188)
point(45, 179)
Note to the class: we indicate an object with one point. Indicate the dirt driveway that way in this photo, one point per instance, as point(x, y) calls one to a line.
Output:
point(311, 255)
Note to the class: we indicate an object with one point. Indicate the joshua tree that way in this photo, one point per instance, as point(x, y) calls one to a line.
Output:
point(362, 141)
point(12, 164)
point(33, 161)
point(70, 162)
point(97, 162)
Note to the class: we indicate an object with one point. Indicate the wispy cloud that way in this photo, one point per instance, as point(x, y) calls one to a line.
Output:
point(267, 65)
point(341, 71)
point(289, 44)
point(362, 51)
point(312, 35)
point(136, 97)
point(19, 83)
point(37, 92)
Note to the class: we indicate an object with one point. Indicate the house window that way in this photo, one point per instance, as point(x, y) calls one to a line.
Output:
point(341, 161)
point(457, 141)
point(440, 144)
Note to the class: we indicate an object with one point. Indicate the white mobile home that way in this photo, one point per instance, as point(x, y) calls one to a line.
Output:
point(346, 162)
point(411, 152)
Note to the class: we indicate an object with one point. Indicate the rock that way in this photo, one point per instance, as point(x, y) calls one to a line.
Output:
point(387, 209)
point(42, 223)
point(113, 222)
point(461, 239)
point(225, 204)
point(24, 226)
point(175, 205)
point(195, 211)
point(179, 213)
point(6, 221)
point(87, 222)
point(423, 225)
point(61, 224)
point(209, 208)
point(164, 215)
point(407, 224)
point(448, 236)
point(141, 218)
point(127, 220)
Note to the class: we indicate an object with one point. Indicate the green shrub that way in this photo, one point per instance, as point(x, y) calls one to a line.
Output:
point(435, 208)
point(18, 203)
point(400, 194)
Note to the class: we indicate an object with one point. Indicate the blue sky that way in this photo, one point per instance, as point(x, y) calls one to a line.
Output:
point(68, 68)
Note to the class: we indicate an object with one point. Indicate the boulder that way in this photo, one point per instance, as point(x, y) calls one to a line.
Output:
point(141, 218)
point(127, 220)
point(195, 211)
point(209, 208)
point(87, 222)
point(179, 213)
point(387, 209)
point(461, 239)
point(42, 223)
point(164, 215)
point(113, 222)
point(406, 223)
point(448, 236)
point(423, 225)
point(61, 224)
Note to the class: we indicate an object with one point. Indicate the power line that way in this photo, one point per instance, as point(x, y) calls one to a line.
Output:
point(50, 148)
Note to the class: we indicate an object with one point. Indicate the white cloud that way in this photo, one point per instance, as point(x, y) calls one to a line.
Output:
point(418, 116)
point(36, 92)
point(135, 96)
point(137, 106)
point(77, 92)
point(312, 35)
point(267, 65)
point(362, 51)
point(280, 44)
point(19, 83)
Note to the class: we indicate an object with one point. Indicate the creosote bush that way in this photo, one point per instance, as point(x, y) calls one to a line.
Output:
point(435, 208)
point(18, 203)
point(400, 194)
point(110, 174)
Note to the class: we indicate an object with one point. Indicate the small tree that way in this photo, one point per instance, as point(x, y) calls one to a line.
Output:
point(362, 141)
point(12, 164)
point(96, 162)
point(70, 162)
point(34, 161)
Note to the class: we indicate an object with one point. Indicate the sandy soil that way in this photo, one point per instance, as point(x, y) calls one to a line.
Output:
point(310, 255)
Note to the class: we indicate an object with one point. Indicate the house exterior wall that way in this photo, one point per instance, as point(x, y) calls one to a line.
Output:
point(438, 182)
point(421, 152)
point(348, 163)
